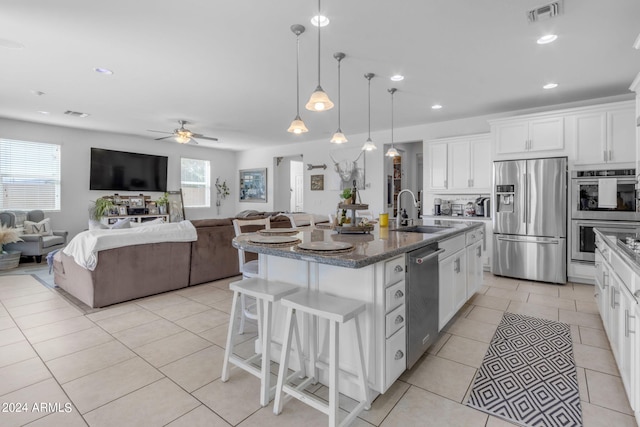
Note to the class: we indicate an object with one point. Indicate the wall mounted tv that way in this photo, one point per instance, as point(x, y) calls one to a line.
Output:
point(122, 171)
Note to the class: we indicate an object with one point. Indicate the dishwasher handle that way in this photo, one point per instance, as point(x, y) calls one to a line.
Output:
point(428, 257)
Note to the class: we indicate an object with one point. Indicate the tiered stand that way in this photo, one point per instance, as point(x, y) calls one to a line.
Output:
point(353, 228)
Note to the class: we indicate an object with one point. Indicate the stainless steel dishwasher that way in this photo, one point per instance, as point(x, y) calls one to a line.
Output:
point(422, 300)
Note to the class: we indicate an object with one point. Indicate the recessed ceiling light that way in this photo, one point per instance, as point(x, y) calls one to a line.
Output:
point(436, 106)
point(547, 39)
point(324, 21)
point(103, 70)
point(10, 44)
point(44, 113)
point(397, 78)
point(37, 92)
point(550, 86)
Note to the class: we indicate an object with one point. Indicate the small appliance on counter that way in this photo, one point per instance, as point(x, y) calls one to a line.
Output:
point(436, 206)
point(483, 207)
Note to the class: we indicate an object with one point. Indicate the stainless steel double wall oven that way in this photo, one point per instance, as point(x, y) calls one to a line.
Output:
point(586, 212)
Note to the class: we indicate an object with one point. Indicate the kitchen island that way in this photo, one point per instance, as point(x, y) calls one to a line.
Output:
point(617, 293)
point(373, 271)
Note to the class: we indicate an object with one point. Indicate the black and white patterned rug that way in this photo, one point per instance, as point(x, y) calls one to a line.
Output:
point(528, 375)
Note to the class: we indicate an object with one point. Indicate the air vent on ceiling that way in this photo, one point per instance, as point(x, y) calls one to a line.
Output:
point(76, 114)
point(545, 12)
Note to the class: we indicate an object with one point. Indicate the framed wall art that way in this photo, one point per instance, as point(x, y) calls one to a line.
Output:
point(317, 182)
point(253, 185)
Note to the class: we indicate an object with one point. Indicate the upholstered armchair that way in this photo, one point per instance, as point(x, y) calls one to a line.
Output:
point(37, 239)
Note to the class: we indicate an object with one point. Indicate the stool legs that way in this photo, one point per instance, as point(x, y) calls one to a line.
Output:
point(291, 329)
point(334, 357)
point(228, 351)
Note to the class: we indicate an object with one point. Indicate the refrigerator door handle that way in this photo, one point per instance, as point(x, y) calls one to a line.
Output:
point(544, 242)
point(526, 197)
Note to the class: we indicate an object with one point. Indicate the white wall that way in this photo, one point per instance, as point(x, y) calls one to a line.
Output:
point(76, 145)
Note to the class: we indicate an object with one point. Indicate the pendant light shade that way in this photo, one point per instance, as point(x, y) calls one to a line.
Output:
point(297, 125)
point(392, 152)
point(368, 144)
point(338, 137)
point(319, 100)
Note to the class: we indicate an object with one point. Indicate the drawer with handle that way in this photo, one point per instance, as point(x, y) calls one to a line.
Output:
point(396, 361)
point(474, 236)
point(394, 270)
point(395, 320)
point(394, 296)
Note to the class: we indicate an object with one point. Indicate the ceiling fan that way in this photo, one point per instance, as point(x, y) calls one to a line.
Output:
point(183, 135)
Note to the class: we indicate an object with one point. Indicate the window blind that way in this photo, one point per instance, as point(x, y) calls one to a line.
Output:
point(29, 175)
point(195, 180)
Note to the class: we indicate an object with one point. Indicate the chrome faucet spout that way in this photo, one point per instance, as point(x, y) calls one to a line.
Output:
point(415, 204)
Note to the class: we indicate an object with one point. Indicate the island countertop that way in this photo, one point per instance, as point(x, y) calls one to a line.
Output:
point(369, 248)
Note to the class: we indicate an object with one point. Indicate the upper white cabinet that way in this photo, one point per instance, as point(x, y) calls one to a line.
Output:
point(531, 134)
point(461, 164)
point(605, 136)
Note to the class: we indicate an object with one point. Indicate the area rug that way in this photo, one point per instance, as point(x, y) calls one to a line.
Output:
point(528, 375)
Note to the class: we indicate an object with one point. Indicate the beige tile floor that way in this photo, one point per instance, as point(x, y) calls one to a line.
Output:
point(157, 361)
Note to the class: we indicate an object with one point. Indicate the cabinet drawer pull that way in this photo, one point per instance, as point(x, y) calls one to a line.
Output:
point(399, 319)
point(399, 355)
point(627, 317)
point(398, 269)
point(399, 294)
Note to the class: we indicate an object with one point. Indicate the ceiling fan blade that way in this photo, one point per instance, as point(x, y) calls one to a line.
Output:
point(206, 137)
point(164, 137)
point(192, 141)
point(159, 131)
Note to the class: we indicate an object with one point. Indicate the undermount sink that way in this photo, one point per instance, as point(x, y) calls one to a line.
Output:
point(426, 229)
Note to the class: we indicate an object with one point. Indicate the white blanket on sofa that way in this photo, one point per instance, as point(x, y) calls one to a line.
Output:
point(85, 246)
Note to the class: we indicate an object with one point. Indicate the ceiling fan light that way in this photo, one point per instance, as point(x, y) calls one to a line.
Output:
point(369, 145)
point(338, 137)
point(392, 152)
point(319, 101)
point(297, 126)
point(182, 139)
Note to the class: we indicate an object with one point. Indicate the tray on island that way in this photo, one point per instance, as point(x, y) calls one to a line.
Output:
point(354, 230)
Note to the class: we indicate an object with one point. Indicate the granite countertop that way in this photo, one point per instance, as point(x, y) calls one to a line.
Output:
point(612, 240)
point(370, 248)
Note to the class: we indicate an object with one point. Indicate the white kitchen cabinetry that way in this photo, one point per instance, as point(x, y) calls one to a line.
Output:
point(461, 164)
point(605, 135)
point(395, 319)
point(452, 265)
point(474, 262)
point(531, 134)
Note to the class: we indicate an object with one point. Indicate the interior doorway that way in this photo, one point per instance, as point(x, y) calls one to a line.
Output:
point(288, 183)
point(403, 172)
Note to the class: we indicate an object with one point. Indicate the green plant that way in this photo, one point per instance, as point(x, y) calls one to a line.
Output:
point(223, 189)
point(8, 235)
point(346, 194)
point(163, 200)
point(101, 208)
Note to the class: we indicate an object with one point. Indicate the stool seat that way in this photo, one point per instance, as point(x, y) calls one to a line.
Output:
point(266, 290)
point(320, 304)
point(266, 293)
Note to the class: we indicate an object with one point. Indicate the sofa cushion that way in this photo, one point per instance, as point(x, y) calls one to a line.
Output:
point(42, 228)
point(248, 213)
point(214, 222)
point(48, 241)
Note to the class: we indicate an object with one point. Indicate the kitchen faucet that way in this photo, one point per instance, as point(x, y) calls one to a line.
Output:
point(415, 204)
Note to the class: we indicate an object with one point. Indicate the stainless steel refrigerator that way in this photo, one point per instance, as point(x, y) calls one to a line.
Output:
point(530, 219)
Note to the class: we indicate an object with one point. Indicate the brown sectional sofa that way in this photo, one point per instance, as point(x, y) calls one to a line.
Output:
point(137, 271)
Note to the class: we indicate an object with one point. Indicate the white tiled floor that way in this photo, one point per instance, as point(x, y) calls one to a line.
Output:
point(157, 361)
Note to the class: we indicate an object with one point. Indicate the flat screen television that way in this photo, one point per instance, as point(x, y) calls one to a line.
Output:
point(122, 171)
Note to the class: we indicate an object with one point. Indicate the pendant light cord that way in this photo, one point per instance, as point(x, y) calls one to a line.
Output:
point(339, 63)
point(369, 99)
point(319, 43)
point(392, 118)
point(297, 75)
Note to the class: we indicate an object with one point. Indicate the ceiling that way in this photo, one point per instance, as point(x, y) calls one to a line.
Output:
point(228, 68)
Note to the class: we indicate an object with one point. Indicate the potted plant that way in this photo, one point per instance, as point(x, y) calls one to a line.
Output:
point(100, 208)
point(346, 195)
point(162, 203)
point(223, 192)
point(8, 259)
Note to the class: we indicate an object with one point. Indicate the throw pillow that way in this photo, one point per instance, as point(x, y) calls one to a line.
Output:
point(143, 224)
point(121, 223)
point(96, 225)
point(42, 228)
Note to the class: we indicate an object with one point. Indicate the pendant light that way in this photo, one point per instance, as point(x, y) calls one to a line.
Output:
point(368, 144)
point(392, 152)
point(297, 125)
point(319, 100)
point(338, 137)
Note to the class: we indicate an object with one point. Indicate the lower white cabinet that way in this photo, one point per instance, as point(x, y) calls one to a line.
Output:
point(474, 268)
point(394, 320)
point(452, 277)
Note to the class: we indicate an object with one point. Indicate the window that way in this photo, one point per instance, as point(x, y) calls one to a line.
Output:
point(195, 182)
point(29, 175)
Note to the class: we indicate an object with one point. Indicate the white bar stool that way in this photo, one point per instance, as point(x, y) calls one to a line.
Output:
point(337, 311)
point(266, 293)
